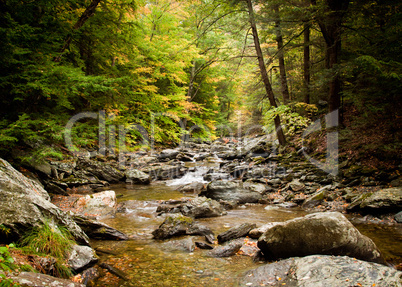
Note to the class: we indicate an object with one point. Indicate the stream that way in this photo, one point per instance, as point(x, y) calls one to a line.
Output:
point(148, 262)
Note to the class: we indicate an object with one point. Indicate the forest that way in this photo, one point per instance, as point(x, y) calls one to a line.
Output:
point(99, 92)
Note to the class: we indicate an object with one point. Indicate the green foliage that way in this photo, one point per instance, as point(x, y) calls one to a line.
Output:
point(6, 260)
point(49, 239)
point(292, 121)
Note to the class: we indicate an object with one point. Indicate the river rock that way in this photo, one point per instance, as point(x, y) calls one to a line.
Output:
point(328, 233)
point(227, 250)
point(32, 279)
point(316, 199)
point(98, 230)
point(215, 176)
point(384, 200)
point(25, 204)
point(230, 191)
point(398, 217)
point(322, 271)
point(186, 245)
point(101, 170)
point(256, 187)
point(164, 172)
point(203, 245)
point(296, 186)
point(177, 225)
point(82, 257)
point(257, 232)
point(235, 232)
point(98, 204)
point(193, 187)
point(201, 207)
point(137, 176)
point(167, 154)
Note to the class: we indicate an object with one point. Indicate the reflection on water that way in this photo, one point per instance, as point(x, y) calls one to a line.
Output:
point(147, 263)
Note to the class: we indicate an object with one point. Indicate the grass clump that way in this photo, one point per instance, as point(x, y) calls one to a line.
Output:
point(50, 240)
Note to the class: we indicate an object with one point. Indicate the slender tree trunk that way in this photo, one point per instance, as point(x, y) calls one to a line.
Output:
point(84, 17)
point(264, 75)
point(282, 70)
point(306, 62)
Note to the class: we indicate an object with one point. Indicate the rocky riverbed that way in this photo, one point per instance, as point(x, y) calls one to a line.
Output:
point(206, 213)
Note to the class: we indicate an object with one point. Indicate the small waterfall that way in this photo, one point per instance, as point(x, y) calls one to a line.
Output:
point(190, 177)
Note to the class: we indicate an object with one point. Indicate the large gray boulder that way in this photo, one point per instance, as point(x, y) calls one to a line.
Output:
point(25, 204)
point(322, 271)
point(384, 200)
point(199, 207)
point(328, 233)
point(230, 191)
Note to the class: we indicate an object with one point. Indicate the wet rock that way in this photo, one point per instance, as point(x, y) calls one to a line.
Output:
point(328, 233)
point(203, 245)
point(230, 191)
point(82, 257)
point(316, 199)
point(257, 232)
point(55, 189)
point(296, 185)
point(97, 204)
point(186, 245)
point(193, 187)
point(98, 230)
point(398, 217)
point(216, 176)
point(321, 270)
point(384, 200)
point(101, 170)
point(201, 207)
point(239, 171)
point(64, 168)
point(177, 225)
point(137, 176)
point(168, 154)
point(89, 276)
point(185, 157)
point(256, 187)
point(235, 232)
point(39, 280)
point(25, 204)
point(227, 250)
point(164, 172)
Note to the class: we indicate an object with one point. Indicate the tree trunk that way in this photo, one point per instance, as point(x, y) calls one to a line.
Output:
point(279, 41)
point(84, 17)
point(306, 62)
point(264, 75)
point(330, 25)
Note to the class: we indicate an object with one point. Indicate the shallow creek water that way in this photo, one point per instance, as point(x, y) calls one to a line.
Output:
point(148, 262)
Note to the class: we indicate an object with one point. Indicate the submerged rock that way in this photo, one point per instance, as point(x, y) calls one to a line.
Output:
point(25, 204)
point(227, 250)
point(322, 270)
point(328, 233)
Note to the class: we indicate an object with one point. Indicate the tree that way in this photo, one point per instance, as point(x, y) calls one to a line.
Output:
point(263, 71)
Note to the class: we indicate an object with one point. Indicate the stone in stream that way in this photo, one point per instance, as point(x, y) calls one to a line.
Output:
point(164, 172)
point(235, 232)
point(98, 204)
point(257, 232)
point(398, 217)
point(199, 207)
point(177, 225)
point(193, 187)
point(168, 154)
point(203, 245)
point(25, 204)
point(316, 199)
point(82, 257)
point(230, 191)
point(227, 250)
point(98, 230)
point(186, 245)
point(296, 185)
point(382, 201)
point(322, 271)
point(137, 176)
point(328, 233)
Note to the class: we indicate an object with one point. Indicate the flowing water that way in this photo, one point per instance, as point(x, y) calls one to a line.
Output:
point(148, 262)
